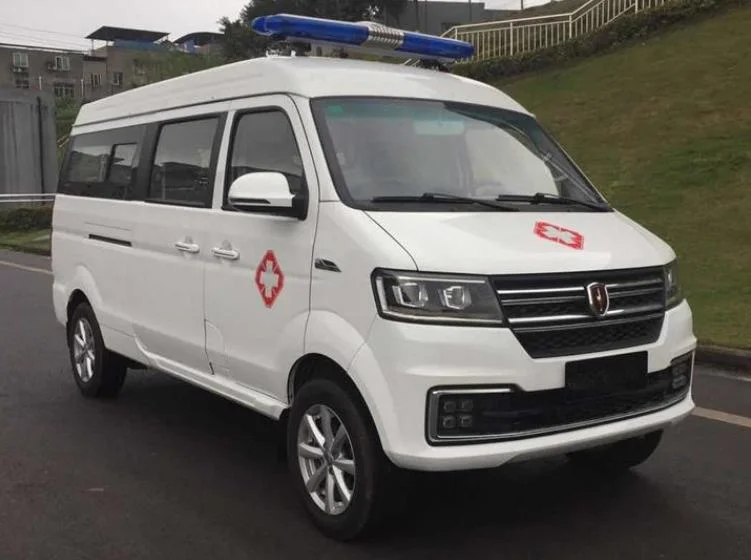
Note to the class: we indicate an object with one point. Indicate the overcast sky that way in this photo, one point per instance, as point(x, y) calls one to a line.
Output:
point(63, 24)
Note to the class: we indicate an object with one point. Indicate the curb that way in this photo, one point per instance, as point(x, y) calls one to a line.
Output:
point(725, 357)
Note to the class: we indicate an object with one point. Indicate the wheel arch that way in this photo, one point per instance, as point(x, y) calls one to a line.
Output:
point(82, 287)
point(76, 298)
point(319, 366)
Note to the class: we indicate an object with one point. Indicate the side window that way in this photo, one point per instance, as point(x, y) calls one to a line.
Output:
point(181, 172)
point(102, 164)
point(123, 165)
point(88, 164)
point(265, 141)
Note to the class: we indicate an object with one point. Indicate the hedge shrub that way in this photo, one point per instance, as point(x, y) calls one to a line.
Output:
point(627, 29)
point(27, 218)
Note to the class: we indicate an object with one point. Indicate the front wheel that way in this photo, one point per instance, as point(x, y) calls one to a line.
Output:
point(335, 460)
point(619, 456)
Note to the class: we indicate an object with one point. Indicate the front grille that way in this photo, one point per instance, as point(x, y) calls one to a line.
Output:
point(550, 313)
point(589, 338)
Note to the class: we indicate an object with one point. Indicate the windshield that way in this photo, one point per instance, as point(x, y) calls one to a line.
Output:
point(381, 151)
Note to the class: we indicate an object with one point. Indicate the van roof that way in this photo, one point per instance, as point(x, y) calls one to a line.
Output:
point(303, 76)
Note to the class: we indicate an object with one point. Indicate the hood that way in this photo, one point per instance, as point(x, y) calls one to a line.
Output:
point(523, 242)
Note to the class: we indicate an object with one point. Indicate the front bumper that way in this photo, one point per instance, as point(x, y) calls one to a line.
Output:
point(402, 362)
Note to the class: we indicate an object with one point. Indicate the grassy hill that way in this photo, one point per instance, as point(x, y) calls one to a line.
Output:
point(551, 8)
point(663, 128)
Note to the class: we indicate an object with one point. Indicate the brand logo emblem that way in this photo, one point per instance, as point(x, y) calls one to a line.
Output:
point(560, 235)
point(598, 298)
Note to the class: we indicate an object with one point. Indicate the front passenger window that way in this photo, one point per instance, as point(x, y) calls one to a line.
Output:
point(265, 141)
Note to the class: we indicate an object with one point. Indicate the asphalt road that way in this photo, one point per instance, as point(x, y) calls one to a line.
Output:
point(170, 472)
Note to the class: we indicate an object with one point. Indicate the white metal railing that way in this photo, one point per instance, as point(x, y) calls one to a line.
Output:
point(26, 198)
point(511, 37)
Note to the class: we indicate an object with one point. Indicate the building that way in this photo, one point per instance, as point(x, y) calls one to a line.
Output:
point(55, 71)
point(436, 17)
point(202, 42)
point(124, 61)
point(114, 67)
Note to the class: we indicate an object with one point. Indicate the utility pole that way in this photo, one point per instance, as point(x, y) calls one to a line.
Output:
point(470, 11)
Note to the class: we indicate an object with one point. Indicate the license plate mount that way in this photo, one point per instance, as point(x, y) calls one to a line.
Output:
point(606, 376)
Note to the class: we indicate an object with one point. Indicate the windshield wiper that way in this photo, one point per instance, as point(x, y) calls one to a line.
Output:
point(444, 197)
point(547, 198)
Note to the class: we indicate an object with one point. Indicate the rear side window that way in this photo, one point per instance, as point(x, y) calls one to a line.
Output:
point(102, 164)
point(123, 164)
point(182, 169)
point(265, 141)
point(88, 164)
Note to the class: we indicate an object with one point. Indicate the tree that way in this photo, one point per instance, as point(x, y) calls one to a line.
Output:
point(391, 8)
point(158, 66)
point(240, 42)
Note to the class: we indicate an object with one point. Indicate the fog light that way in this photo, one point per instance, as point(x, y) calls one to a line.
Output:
point(679, 382)
point(449, 407)
point(680, 369)
point(448, 422)
point(465, 421)
point(681, 372)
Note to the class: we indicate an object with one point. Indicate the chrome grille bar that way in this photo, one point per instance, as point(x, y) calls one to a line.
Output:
point(541, 291)
point(613, 313)
point(549, 319)
point(629, 293)
point(543, 300)
point(636, 284)
point(586, 325)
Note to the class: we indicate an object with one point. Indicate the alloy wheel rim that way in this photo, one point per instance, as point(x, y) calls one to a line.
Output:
point(84, 350)
point(326, 459)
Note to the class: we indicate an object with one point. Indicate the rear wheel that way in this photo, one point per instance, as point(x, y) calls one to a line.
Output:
point(335, 460)
point(619, 456)
point(98, 372)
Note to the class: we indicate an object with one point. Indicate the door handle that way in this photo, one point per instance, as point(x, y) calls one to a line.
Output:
point(187, 247)
point(229, 254)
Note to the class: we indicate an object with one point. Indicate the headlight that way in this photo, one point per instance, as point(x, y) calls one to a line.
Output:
point(673, 292)
point(436, 298)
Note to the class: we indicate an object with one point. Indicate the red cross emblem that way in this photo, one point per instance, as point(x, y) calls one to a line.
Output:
point(558, 234)
point(269, 278)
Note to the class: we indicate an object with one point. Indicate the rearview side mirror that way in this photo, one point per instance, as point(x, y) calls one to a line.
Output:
point(266, 192)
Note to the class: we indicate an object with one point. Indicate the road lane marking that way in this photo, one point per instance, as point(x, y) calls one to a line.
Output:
point(27, 268)
point(745, 378)
point(734, 419)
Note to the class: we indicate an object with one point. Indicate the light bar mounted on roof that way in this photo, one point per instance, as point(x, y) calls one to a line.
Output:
point(364, 36)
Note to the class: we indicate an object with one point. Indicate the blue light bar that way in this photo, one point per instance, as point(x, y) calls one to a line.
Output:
point(367, 35)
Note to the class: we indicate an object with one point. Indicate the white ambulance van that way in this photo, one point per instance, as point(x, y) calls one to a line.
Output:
point(397, 263)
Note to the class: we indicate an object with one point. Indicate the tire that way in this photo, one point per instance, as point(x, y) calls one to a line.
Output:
point(619, 456)
point(98, 372)
point(336, 519)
